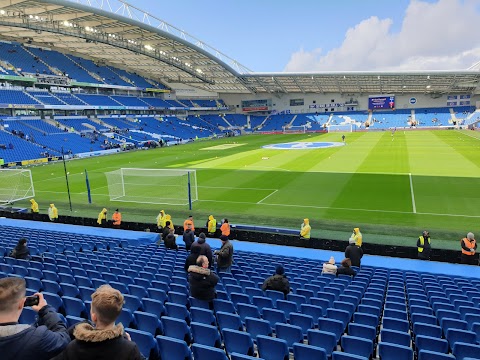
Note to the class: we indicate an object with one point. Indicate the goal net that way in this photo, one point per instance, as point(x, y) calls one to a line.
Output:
point(300, 129)
point(153, 186)
point(15, 185)
point(340, 128)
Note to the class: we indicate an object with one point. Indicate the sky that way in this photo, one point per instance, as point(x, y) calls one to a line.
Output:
point(332, 35)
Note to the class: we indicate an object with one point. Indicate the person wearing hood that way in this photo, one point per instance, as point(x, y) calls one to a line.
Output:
point(205, 248)
point(161, 220)
point(168, 219)
point(278, 281)
point(188, 222)
point(104, 339)
point(354, 253)
point(41, 341)
point(102, 217)
point(188, 237)
point(424, 246)
point(330, 267)
point(211, 225)
point(192, 257)
point(305, 230)
point(53, 213)
point(21, 250)
point(117, 219)
point(202, 280)
point(34, 207)
point(357, 236)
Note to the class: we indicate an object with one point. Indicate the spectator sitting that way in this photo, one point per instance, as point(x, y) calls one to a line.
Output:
point(202, 280)
point(330, 267)
point(278, 281)
point(192, 257)
point(188, 237)
point(346, 269)
point(45, 339)
point(21, 250)
point(104, 339)
point(205, 248)
point(170, 240)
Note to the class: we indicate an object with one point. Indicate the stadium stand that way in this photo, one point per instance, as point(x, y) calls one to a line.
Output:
point(396, 301)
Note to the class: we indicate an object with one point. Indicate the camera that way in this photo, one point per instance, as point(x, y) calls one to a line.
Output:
point(31, 301)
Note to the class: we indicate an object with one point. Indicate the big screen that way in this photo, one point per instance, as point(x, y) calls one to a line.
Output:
point(381, 102)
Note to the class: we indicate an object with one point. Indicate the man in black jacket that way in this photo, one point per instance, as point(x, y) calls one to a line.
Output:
point(105, 340)
point(202, 280)
point(278, 281)
point(205, 248)
point(188, 236)
point(43, 340)
point(354, 253)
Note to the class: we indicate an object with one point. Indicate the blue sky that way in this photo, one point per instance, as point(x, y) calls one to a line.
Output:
point(320, 35)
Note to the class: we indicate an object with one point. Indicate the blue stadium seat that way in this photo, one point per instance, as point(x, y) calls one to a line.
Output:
point(199, 303)
point(427, 330)
point(331, 325)
point(337, 355)
point(176, 328)
point(262, 302)
point(274, 295)
point(363, 331)
point(51, 287)
point(287, 307)
point(455, 335)
point(305, 322)
point(69, 290)
point(72, 320)
point(202, 352)
point(224, 306)
point(145, 342)
point(432, 344)
point(229, 321)
point(395, 324)
point(257, 327)
point(74, 307)
point(463, 350)
point(432, 355)
point(148, 322)
point(205, 334)
point(173, 349)
point(395, 337)
point(341, 315)
point(388, 351)
point(290, 333)
point(356, 345)
point(314, 311)
point(178, 311)
point(274, 316)
point(126, 318)
point(153, 307)
point(323, 339)
point(237, 341)
point(54, 301)
point(28, 316)
point(236, 356)
point(271, 348)
point(308, 352)
point(246, 310)
point(203, 316)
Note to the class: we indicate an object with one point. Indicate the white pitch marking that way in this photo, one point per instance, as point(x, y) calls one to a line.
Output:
point(266, 197)
point(413, 194)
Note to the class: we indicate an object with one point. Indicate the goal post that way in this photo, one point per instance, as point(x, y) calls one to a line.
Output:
point(15, 185)
point(153, 186)
point(299, 129)
point(340, 128)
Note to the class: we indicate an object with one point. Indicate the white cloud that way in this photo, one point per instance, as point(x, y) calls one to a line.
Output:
point(433, 36)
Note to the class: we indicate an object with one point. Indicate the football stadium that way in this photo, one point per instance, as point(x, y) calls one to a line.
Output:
point(105, 106)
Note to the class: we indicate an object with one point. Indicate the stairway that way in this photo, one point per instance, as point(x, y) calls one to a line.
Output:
point(52, 69)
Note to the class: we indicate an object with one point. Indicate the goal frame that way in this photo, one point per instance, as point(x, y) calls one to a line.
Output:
point(340, 128)
point(297, 129)
point(192, 188)
point(26, 194)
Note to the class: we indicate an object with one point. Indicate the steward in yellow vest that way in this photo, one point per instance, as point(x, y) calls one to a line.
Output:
point(424, 246)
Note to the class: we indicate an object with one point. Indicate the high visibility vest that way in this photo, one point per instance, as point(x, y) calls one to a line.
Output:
point(469, 244)
point(212, 226)
point(422, 243)
point(117, 218)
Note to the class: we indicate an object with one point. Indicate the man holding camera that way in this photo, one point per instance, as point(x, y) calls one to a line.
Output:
point(43, 340)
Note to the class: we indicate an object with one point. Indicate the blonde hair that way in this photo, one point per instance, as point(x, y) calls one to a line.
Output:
point(107, 304)
point(12, 289)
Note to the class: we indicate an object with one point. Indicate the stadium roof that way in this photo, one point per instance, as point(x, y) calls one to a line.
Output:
point(117, 33)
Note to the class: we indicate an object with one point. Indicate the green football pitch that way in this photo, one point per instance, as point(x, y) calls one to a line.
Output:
point(399, 184)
